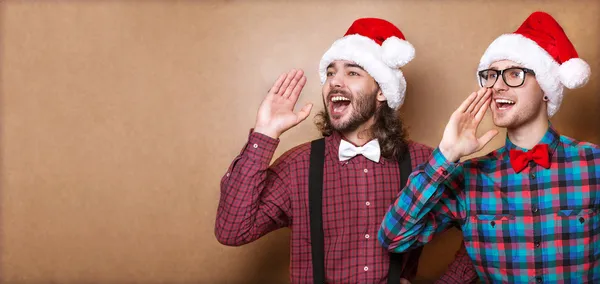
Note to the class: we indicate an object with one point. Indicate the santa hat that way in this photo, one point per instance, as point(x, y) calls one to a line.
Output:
point(380, 48)
point(541, 44)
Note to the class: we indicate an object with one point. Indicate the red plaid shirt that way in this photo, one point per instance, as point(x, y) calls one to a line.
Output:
point(461, 270)
point(257, 199)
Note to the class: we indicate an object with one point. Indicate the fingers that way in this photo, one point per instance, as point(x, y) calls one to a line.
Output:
point(465, 104)
point(304, 112)
point(287, 81)
point(481, 93)
point(483, 101)
point(275, 88)
point(296, 85)
point(486, 138)
point(483, 109)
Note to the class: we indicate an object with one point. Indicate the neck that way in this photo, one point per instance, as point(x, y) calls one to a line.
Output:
point(528, 135)
point(362, 135)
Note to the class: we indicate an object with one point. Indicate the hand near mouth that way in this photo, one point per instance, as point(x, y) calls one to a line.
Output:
point(276, 112)
point(460, 138)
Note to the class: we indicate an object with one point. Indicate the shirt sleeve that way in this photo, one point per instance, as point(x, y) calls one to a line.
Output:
point(254, 197)
point(429, 204)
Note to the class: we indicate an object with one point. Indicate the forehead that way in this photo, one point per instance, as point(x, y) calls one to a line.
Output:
point(503, 64)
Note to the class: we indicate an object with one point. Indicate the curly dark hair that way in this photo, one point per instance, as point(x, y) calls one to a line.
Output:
point(388, 129)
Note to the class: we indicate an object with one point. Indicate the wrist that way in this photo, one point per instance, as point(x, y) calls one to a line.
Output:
point(267, 131)
point(449, 154)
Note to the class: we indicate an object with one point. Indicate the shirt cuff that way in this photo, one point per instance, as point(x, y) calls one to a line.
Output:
point(439, 168)
point(260, 148)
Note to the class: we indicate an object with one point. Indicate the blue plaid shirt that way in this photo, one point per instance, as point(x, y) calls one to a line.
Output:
point(538, 225)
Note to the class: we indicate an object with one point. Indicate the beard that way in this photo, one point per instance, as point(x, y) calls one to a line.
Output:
point(363, 108)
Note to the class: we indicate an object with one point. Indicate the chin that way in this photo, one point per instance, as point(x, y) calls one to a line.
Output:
point(501, 122)
point(338, 124)
point(337, 119)
point(505, 122)
point(505, 119)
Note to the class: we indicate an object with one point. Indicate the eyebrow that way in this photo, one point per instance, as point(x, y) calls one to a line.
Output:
point(347, 65)
point(350, 65)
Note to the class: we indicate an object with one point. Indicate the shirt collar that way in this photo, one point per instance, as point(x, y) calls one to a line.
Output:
point(551, 137)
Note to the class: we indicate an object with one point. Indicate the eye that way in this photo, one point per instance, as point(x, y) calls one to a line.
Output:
point(329, 73)
point(516, 74)
point(352, 73)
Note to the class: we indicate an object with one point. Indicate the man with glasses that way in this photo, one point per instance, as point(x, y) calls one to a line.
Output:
point(529, 211)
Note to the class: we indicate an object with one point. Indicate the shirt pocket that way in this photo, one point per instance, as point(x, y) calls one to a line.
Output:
point(485, 232)
point(579, 235)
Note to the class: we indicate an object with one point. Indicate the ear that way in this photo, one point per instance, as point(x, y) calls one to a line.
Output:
point(380, 96)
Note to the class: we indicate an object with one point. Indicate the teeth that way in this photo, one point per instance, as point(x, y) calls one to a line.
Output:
point(503, 101)
point(338, 99)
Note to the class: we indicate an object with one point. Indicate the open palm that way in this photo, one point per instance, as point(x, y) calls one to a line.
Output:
point(460, 136)
point(276, 112)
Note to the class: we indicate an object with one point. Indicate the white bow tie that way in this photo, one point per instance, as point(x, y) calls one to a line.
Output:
point(371, 151)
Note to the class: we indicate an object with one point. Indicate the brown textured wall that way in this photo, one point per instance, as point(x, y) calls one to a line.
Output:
point(118, 119)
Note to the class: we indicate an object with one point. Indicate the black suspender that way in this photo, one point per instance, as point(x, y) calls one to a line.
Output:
point(315, 207)
point(395, 270)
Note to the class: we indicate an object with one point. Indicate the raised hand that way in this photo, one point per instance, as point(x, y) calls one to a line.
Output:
point(460, 134)
point(276, 113)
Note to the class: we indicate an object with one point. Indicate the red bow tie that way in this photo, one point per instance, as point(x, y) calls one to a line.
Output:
point(539, 154)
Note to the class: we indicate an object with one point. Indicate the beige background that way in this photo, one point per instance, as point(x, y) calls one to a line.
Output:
point(118, 119)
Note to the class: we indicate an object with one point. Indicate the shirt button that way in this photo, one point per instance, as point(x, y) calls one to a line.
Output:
point(531, 164)
point(227, 175)
point(368, 203)
point(537, 244)
point(366, 268)
point(255, 146)
point(366, 171)
point(534, 209)
point(532, 175)
point(367, 236)
point(539, 279)
point(444, 172)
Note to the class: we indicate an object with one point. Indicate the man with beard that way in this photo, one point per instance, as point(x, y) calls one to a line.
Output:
point(529, 211)
point(333, 192)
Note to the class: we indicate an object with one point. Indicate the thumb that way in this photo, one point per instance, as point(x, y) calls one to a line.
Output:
point(304, 112)
point(487, 137)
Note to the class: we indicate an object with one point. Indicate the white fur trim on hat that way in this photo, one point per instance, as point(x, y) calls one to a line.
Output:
point(574, 73)
point(528, 53)
point(368, 54)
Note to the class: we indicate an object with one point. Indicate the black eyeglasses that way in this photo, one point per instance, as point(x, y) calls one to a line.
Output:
point(513, 77)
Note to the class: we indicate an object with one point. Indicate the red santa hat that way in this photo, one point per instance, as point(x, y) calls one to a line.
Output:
point(380, 48)
point(541, 44)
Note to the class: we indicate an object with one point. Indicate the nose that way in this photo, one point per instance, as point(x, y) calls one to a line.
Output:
point(499, 85)
point(336, 80)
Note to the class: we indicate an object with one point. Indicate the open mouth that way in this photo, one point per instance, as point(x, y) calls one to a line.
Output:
point(339, 104)
point(503, 104)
